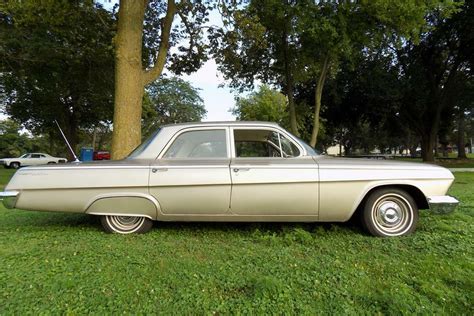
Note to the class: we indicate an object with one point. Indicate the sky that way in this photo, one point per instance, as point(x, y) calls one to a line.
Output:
point(217, 100)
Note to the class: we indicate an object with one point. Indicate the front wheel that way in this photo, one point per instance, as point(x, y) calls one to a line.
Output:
point(126, 224)
point(15, 165)
point(390, 212)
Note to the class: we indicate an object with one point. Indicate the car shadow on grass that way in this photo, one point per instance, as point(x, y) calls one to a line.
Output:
point(278, 228)
point(19, 219)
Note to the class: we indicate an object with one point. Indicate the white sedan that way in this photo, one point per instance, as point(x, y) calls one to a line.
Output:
point(31, 159)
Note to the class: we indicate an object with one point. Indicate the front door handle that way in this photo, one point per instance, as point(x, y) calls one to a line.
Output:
point(241, 169)
point(155, 170)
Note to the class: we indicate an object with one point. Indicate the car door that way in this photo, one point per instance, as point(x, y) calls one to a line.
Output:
point(44, 160)
point(28, 160)
point(36, 159)
point(191, 176)
point(270, 177)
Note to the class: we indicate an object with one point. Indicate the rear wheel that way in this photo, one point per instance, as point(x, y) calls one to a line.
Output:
point(390, 212)
point(15, 165)
point(126, 224)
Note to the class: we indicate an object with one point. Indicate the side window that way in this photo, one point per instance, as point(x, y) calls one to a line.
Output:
point(35, 156)
point(288, 147)
point(199, 144)
point(263, 143)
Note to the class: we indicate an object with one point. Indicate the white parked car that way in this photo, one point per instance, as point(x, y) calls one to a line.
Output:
point(31, 159)
point(234, 171)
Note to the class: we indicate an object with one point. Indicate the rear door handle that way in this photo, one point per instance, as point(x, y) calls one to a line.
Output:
point(241, 169)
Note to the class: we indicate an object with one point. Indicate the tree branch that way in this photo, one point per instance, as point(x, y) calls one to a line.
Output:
point(190, 31)
point(153, 73)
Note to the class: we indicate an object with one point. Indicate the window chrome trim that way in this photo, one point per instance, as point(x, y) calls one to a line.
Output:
point(192, 129)
point(290, 137)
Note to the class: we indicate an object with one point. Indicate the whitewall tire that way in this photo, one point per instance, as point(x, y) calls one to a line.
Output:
point(390, 212)
point(126, 224)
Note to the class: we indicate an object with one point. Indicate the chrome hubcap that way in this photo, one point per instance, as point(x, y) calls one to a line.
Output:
point(392, 214)
point(125, 224)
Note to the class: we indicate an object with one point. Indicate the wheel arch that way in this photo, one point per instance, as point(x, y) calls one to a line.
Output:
point(124, 204)
point(412, 190)
point(12, 162)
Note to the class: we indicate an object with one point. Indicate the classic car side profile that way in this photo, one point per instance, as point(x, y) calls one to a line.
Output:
point(234, 171)
point(31, 159)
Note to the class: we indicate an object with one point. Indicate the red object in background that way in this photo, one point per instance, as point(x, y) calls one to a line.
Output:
point(101, 155)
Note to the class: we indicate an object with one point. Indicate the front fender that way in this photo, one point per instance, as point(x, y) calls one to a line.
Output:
point(340, 199)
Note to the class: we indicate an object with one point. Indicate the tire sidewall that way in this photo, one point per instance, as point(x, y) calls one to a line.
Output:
point(144, 227)
point(368, 220)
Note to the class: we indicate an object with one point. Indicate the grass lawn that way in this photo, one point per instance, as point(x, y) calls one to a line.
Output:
point(63, 263)
point(450, 162)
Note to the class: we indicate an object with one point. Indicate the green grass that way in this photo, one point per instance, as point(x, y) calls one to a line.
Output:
point(450, 162)
point(54, 263)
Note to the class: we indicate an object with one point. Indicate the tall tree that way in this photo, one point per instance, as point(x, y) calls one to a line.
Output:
point(259, 43)
point(56, 63)
point(433, 72)
point(145, 34)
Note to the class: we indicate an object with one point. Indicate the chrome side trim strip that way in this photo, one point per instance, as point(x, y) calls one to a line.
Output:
point(120, 214)
point(85, 167)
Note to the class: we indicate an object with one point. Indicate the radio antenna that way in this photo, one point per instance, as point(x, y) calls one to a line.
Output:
point(67, 143)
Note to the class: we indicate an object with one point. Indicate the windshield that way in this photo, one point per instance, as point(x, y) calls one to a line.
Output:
point(309, 150)
point(137, 151)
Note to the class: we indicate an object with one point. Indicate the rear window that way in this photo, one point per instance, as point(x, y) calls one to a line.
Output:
point(137, 151)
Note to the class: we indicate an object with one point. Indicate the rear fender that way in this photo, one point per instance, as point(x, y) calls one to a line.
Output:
point(124, 204)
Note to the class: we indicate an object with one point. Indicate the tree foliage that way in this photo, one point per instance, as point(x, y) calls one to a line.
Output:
point(435, 72)
point(171, 100)
point(296, 42)
point(56, 64)
point(265, 104)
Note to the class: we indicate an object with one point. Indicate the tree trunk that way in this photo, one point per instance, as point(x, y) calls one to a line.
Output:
point(94, 138)
point(461, 138)
point(413, 150)
point(290, 87)
point(71, 134)
point(291, 106)
point(427, 147)
point(444, 150)
point(130, 78)
point(317, 101)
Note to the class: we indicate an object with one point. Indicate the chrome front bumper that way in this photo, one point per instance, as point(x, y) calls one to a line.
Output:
point(443, 204)
point(9, 198)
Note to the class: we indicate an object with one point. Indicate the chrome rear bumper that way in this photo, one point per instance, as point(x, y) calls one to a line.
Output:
point(9, 198)
point(443, 204)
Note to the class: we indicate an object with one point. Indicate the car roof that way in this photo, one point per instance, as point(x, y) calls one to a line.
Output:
point(225, 123)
